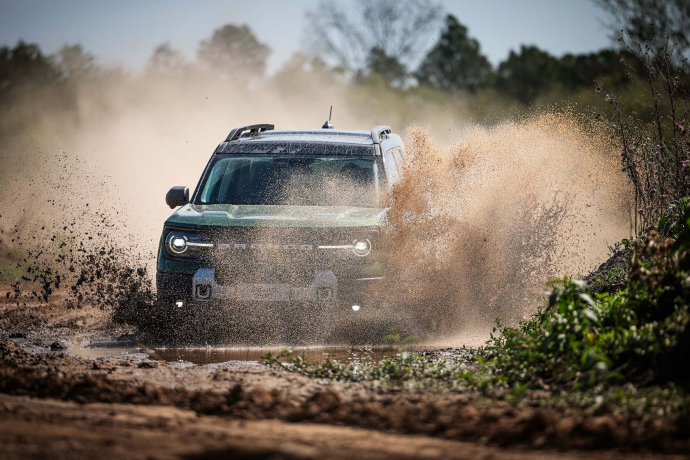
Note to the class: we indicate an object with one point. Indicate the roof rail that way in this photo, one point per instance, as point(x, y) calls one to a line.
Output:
point(380, 132)
point(237, 132)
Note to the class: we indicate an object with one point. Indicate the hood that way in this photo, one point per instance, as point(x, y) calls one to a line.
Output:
point(276, 216)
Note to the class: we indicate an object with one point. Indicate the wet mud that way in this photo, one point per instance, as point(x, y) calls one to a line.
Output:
point(250, 391)
point(221, 354)
point(43, 428)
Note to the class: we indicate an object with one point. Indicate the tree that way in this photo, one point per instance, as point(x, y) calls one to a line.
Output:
point(166, 60)
point(234, 53)
point(397, 29)
point(581, 70)
point(670, 17)
point(23, 68)
point(526, 74)
point(455, 64)
point(388, 67)
point(75, 63)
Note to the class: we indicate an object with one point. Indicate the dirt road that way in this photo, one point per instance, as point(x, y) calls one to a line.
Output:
point(56, 405)
point(46, 428)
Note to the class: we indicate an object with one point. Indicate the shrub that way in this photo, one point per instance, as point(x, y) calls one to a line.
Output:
point(637, 334)
point(655, 152)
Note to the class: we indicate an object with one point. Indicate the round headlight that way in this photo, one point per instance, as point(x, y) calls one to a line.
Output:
point(178, 244)
point(186, 245)
point(361, 247)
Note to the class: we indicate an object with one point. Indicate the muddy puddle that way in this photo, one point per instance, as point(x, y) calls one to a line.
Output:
point(209, 355)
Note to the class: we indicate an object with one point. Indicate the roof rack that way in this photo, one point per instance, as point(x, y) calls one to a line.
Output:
point(237, 132)
point(380, 132)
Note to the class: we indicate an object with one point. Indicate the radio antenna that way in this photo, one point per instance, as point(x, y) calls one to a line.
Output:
point(328, 124)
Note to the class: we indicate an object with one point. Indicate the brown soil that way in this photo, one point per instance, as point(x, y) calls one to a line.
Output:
point(31, 428)
point(151, 406)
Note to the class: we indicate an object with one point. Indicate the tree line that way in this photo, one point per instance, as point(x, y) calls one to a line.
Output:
point(384, 40)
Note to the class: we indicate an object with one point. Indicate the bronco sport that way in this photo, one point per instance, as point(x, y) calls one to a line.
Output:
point(281, 216)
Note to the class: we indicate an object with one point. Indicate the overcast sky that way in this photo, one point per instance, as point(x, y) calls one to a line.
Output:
point(125, 32)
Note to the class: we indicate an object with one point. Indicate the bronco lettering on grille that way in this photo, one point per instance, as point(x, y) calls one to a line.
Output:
point(268, 246)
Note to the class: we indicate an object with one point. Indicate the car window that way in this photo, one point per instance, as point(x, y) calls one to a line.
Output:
point(307, 180)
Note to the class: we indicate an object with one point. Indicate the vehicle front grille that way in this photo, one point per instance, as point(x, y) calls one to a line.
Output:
point(281, 255)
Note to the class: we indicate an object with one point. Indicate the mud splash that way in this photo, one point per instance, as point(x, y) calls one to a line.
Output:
point(484, 217)
point(64, 245)
point(479, 226)
point(476, 228)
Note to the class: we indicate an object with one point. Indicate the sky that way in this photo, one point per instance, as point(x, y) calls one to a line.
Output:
point(125, 32)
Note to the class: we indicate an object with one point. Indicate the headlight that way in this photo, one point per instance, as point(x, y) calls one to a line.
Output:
point(361, 247)
point(178, 244)
point(185, 244)
point(365, 244)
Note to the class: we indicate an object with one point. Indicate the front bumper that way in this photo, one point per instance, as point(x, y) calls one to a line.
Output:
point(325, 287)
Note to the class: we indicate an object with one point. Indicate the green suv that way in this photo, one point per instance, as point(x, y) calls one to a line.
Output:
point(282, 217)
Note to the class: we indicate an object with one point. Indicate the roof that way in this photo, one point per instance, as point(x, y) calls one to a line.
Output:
point(320, 135)
point(265, 139)
point(303, 147)
point(314, 142)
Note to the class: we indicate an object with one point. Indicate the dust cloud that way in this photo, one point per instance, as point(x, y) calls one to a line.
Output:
point(484, 216)
point(479, 226)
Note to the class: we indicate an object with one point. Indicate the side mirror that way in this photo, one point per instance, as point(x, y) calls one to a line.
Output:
point(177, 196)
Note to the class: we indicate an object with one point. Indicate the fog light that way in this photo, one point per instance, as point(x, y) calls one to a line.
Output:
point(179, 304)
point(356, 307)
point(203, 291)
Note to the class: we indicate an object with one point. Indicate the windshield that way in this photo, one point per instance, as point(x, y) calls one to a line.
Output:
point(291, 180)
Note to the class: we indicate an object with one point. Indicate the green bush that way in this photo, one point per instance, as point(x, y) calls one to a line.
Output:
point(638, 334)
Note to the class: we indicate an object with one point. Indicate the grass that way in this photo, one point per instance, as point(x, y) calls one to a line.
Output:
point(405, 371)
